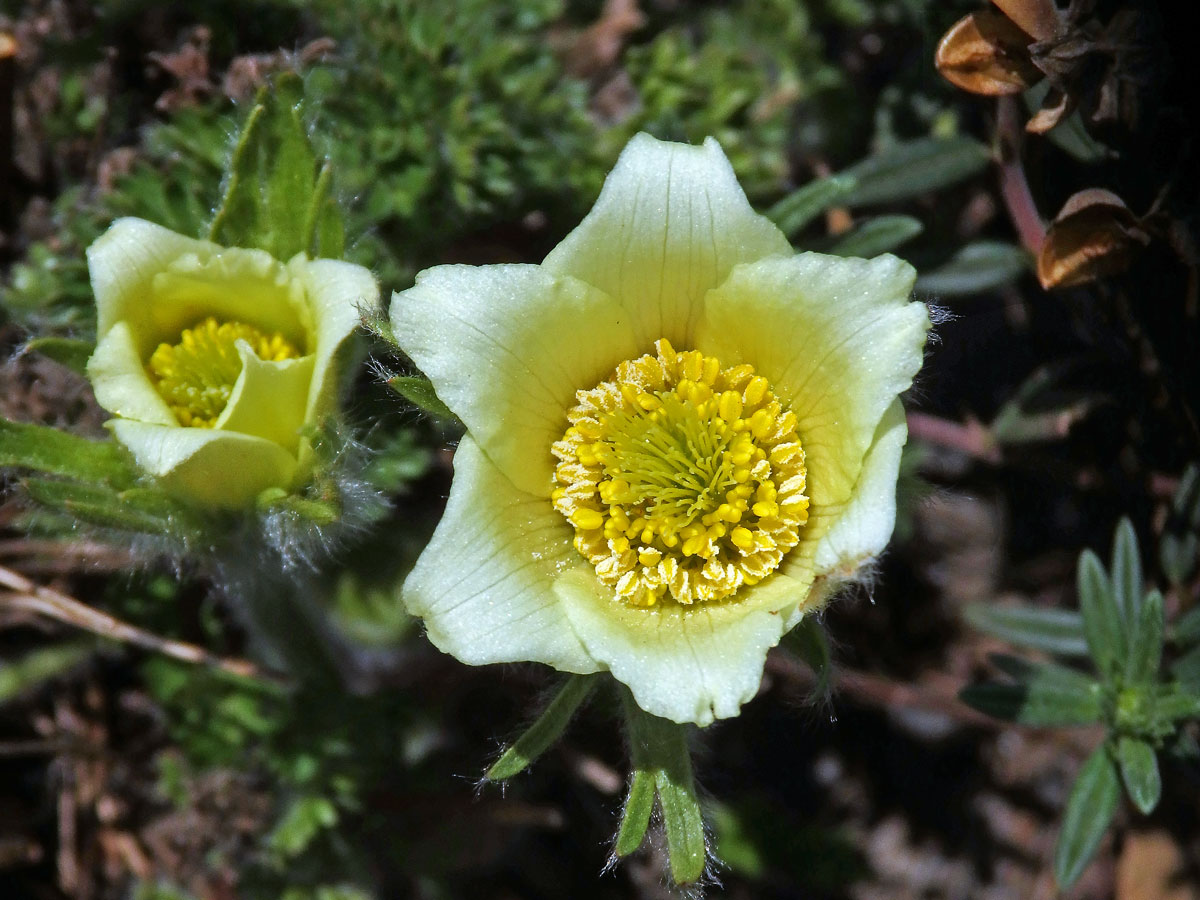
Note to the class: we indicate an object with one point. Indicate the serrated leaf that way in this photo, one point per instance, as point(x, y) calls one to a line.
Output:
point(800, 207)
point(1090, 810)
point(881, 234)
point(914, 169)
point(419, 391)
point(274, 199)
point(1058, 631)
point(1139, 769)
point(1102, 623)
point(635, 819)
point(1127, 571)
point(976, 268)
point(53, 452)
point(545, 731)
point(1146, 641)
point(68, 352)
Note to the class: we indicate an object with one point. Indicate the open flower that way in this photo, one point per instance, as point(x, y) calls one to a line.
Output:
point(681, 436)
point(214, 359)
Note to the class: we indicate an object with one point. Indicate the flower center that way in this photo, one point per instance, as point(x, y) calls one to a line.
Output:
point(196, 375)
point(681, 478)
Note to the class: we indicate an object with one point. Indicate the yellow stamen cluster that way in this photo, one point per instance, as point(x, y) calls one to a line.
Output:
point(683, 479)
point(196, 375)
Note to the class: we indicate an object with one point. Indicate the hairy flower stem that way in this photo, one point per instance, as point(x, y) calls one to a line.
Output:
point(661, 756)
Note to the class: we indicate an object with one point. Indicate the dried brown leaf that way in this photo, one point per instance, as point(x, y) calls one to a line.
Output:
point(985, 53)
point(1094, 235)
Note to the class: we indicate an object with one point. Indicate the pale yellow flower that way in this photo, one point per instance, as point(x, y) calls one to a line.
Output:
point(681, 436)
point(213, 360)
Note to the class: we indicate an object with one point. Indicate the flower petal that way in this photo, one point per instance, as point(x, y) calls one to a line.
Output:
point(268, 398)
point(339, 294)
point(123, 262)
point(507, 347)
point(669, 225)
point(686, 664)
point(484, 584)
point(837, 338)
point(120, 381)
point(212, 468)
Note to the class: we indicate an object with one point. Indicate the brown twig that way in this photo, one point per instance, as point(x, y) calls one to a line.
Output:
point(29, 597)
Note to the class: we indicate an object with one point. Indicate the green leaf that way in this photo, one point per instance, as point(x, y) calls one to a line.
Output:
point(635, 819)
point(68, 352)
point(419, 391)
point(660, 748)
point(1177, 701)
point(1045, 695)
point(1187, 667)
point(976, 268)
point(141, 510)
point(915, 168)
point(1146, 641)
point(1089, 812)
point(37, 666)
point(545, 731)
point(1102, 622)
point(1057, 631)
point(1186, 629)
point(881, 234)
point(1127, 571)
point(1139, 769)
point(800, 207)
point(54, 452)
point(809, 641)
point(323, 228)
point(273, 198)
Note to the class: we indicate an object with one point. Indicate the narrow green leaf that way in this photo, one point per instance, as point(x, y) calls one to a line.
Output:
point(635, 819)
point(1146, 641)
point(1046, 695)
point(1179, 700)
point(976, 268)
point(881, 234)
point(1058, 631)
point(1186, 629)
point(915, 168)
point(1089, 812)
point(1139, 769)
point(800, 207)
point(68, 352)
point(27, 672)
point(140, 510)
point(1187, 667)
point(809, 641)
point(1102, 623)
point(660, 746)
point(54, 452)
point(545, 731)
point(1179, 554)
point(419, 391)
point(1127, 571)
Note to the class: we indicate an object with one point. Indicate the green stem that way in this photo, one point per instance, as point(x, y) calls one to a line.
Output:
point(545, 731)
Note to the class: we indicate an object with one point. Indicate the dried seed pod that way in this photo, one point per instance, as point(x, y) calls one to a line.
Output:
point(1037, 18)
point(985, 53)
point(1093, 235)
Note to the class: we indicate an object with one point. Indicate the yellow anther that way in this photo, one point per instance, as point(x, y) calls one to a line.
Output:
point(659, 469)
point(587, 519)
point(196, 375)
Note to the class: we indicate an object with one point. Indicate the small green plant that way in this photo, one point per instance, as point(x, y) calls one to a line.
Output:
point(1143, 704)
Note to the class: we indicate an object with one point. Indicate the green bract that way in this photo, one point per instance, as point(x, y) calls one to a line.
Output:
point(152, 285)
point(672, 250)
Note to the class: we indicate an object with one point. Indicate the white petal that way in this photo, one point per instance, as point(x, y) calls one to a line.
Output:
point(120, 381)
point(669, 225)
point(686, 664)
point(507, 347)
point(268, 398)
point(484, 584)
